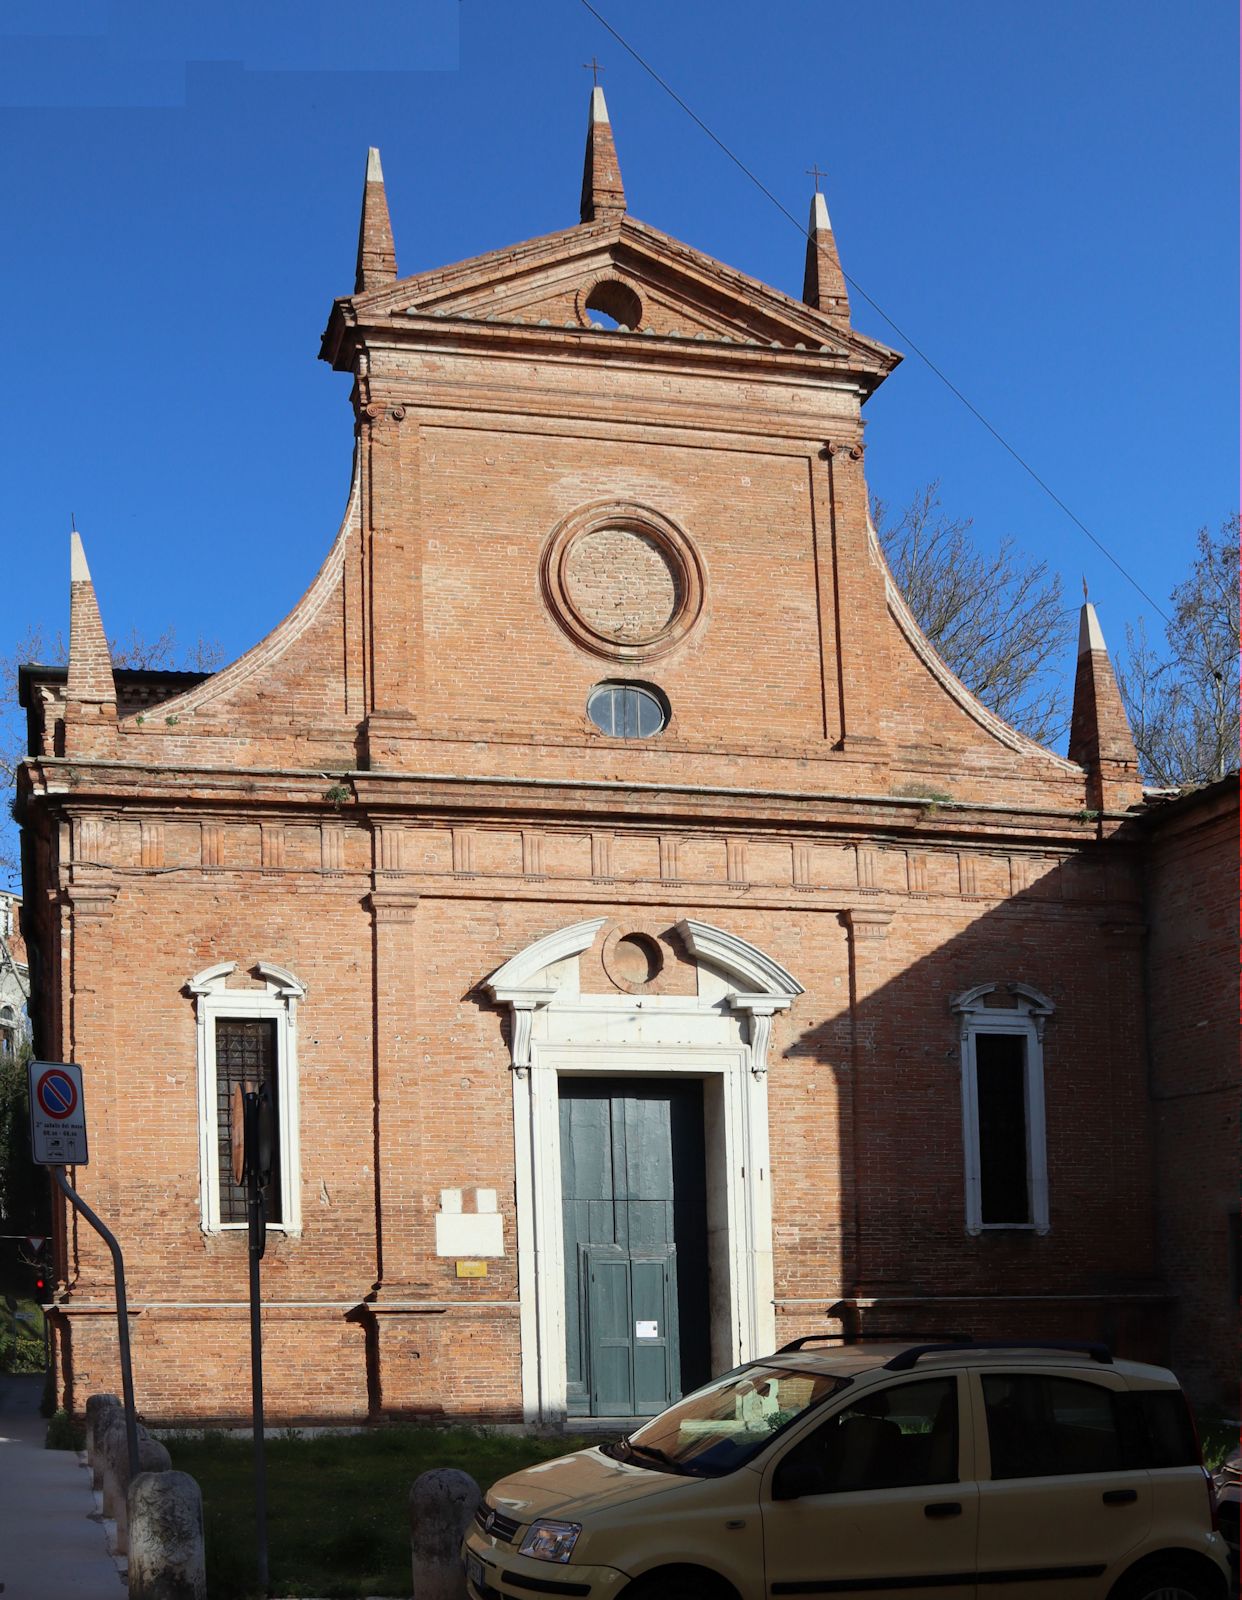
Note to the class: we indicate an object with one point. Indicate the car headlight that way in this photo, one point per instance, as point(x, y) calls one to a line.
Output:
point(551, 1541)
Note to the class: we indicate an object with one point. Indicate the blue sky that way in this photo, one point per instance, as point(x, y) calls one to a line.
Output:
point(1044, 196)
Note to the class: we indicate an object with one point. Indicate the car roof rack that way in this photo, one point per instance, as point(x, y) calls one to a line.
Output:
point(910, 1358)
point(867, 1338)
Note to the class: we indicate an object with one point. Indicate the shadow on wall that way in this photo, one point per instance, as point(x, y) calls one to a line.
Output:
point(946, 1119)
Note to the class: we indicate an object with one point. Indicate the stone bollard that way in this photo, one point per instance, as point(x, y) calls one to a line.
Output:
point(152, 1457)
point(441, 1506)
point(111, 1450)
point(166, 1559)
point(98, 1409)
point(154, 1460)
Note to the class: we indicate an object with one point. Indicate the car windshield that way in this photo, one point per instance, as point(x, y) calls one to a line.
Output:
point(723, 1425)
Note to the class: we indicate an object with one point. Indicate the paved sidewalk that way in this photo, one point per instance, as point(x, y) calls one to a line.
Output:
point(50, 1548)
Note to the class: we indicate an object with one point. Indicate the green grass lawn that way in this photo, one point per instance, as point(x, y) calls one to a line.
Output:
point(337, 1505)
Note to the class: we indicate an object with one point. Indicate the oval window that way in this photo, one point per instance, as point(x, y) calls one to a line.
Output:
point(627, 710)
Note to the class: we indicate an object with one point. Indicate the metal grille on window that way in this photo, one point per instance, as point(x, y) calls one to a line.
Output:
point(1004, 1188)
point(245, 1054)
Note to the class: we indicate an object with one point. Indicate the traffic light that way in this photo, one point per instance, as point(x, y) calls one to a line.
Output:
point(36, 1257)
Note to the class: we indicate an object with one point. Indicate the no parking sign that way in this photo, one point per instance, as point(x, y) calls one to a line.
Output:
point(57, 1114)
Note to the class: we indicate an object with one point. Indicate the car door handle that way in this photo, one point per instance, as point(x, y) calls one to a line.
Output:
point(1119, 1497)
point(943, 1508)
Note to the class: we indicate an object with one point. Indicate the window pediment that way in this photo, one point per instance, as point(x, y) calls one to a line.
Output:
point(276, 981)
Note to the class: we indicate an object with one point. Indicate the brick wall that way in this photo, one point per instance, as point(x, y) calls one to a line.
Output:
point(865, 1102)
point(1192, 917)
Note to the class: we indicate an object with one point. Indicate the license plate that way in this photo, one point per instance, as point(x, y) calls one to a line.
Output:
point(474, 1572)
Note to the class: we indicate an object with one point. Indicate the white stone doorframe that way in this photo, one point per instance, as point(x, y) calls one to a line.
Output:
point(721, 1035)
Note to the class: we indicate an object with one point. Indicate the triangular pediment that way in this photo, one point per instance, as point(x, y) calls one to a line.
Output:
point(643, 279)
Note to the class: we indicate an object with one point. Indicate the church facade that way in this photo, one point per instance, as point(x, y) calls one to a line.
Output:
point(648, 943)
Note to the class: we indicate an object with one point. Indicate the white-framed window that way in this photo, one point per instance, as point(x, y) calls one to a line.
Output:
point(1005, 1146)
point(247, 1036)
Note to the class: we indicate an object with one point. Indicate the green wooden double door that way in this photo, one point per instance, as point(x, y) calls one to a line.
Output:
point(634, 1209)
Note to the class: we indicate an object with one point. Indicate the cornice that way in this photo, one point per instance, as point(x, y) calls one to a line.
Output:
point(701, 354)
point(624, 244)
point(428, 306)
point(377, 795)
point(322, 591)
point(1173, 819)
point(927, 653)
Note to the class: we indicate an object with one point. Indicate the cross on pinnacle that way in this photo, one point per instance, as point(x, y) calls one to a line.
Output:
point(816, 172)
point(593, 67)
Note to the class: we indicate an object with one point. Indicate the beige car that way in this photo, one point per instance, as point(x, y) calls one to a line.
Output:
point(965, 1472)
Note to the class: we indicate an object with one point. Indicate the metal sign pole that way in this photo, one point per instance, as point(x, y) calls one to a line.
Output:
point(251, 1131)
point(122, 1312)
point(57, 1141)
point(256, 1238)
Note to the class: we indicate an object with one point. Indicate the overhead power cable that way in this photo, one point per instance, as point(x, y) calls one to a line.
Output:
point(905, 338)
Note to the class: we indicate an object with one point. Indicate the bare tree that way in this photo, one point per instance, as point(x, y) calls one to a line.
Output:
point(997, 618)
point(159, 654)
point(1183, 701)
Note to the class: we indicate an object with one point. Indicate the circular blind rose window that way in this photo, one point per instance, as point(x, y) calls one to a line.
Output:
point(622, 584)
point(622, 580)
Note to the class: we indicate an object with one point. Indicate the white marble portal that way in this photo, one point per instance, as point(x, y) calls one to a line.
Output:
point(719, 1035)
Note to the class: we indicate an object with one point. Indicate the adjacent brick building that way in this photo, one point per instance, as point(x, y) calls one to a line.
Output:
point(648, 942)
point(1196, 1077)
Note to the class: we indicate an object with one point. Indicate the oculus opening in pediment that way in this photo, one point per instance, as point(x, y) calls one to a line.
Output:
point(609, 302)
point(622, 580)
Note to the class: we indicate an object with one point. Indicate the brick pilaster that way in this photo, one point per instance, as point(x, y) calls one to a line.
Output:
point(392, 577)
point(867, 928)
point(1127, 1082)
point(90, 1041)
point(394, 913)
point(864, 669)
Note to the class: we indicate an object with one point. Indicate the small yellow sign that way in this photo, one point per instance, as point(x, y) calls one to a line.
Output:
point(472, 1269)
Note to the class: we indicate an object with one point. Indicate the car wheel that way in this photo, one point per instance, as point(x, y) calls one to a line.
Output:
point(1167, 1581)
point(681, 1583)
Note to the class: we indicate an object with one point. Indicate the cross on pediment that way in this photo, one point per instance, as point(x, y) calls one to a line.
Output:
point(817, 172)
point(593, 67)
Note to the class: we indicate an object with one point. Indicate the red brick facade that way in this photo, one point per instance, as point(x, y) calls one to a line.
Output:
point(1196, 1077)
point(400, 790)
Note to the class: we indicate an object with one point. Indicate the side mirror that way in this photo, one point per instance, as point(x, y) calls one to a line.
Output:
point(795, 1478)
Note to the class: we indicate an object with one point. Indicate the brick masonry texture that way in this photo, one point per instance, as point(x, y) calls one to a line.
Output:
point(399, 789)
point(622, 583)
point(1196, 1078)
